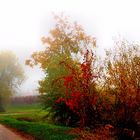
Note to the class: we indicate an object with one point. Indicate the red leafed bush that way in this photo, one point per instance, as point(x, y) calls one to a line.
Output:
point(80, 94)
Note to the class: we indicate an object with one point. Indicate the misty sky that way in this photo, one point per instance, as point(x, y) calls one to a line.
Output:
point(24, 22)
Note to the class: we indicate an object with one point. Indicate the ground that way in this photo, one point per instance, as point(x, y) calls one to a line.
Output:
point(7, 134)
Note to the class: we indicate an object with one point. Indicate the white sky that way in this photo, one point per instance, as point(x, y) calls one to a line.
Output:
point(24, 22)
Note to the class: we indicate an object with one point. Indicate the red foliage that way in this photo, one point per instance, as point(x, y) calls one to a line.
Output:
point(59, 100)
point(67, 80)
point(79, 95)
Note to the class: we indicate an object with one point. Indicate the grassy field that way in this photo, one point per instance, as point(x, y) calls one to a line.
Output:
point(23, 108)
point(30, 120)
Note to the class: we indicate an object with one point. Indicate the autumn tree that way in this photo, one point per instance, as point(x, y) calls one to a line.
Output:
point(122, 80)
point(11, 76)
point(64, 44)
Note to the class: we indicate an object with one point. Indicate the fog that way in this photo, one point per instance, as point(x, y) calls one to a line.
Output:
point(23, 23)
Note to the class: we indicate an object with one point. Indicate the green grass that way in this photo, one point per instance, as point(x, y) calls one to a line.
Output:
point(40, 131)
point(31, 111)
point(38, 127)
point(23, 108)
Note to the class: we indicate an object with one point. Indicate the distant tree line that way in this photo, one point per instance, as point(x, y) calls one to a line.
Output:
point(25, 100)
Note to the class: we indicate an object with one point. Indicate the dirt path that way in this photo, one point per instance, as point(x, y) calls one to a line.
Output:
point(7, 134)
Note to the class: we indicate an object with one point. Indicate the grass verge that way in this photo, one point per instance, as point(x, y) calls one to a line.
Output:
point(40, 131)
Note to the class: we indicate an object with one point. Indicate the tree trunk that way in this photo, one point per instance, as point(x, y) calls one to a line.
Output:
point(1, 105)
